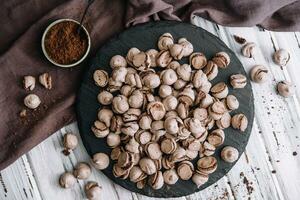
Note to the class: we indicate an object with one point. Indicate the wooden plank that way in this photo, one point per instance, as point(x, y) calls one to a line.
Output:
point(218, 191)
point(253, 173)
point(282, 125)
point(274, 117)
point(287, 121)
point(17, 182)
point(290, 42)
point(265, 186)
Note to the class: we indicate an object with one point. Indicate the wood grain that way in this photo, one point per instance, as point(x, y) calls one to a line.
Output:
point(275, 136)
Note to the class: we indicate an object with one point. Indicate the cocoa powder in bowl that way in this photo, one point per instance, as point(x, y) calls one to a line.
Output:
point(64, 44)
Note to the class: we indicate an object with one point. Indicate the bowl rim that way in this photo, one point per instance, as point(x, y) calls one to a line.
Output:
point(44, 49)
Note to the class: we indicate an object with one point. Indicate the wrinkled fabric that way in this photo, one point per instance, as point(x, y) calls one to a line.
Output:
point(276, 15)
point(23, 22)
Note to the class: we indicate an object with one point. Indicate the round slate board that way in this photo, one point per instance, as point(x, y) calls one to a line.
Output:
point(145, 37)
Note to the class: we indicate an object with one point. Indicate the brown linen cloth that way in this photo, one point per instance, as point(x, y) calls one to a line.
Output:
point(23, 22)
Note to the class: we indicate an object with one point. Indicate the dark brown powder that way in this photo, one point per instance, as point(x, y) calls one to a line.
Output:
point(239, 39)
point(64, 44)
point(66, 152)
point(247, 183)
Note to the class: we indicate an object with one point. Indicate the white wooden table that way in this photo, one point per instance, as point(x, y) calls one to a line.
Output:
point(269, 168)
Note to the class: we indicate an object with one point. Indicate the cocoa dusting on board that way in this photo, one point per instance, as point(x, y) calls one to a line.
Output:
point(247, 183)
point(66, 152)
point(223, 196)
point(248, 186)
point(239, 39)
point(64, 44)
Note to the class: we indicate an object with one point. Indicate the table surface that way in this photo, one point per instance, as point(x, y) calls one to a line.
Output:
point(268, 169)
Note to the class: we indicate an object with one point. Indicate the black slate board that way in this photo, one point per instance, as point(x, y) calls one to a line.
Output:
point(145, 37)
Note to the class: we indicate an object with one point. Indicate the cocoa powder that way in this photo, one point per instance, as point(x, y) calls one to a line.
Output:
point(64, 44)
